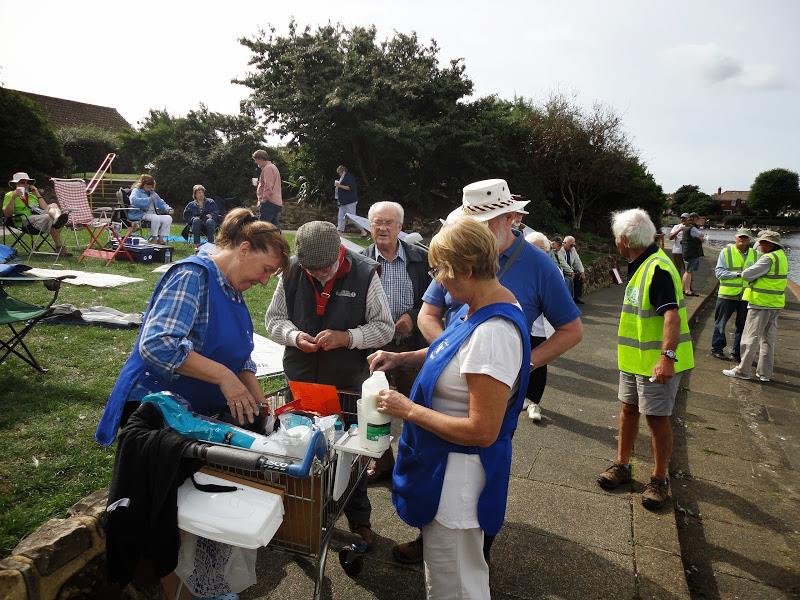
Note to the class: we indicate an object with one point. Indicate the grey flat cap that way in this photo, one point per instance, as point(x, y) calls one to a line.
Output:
point(317, 244)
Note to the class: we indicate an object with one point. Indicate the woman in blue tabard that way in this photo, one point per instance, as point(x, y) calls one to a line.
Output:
point(197, 336)
point(454, 457)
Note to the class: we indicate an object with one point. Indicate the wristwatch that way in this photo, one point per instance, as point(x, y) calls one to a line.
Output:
point(670, 354)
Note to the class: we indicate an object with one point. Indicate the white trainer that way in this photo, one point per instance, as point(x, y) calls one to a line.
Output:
point(535, 413)
point(763, 379)
point(734, 373)
point(525, 404)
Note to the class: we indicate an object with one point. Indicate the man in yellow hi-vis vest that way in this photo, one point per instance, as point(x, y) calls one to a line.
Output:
point(765, 295)
point(654, 348)
point(733, 259)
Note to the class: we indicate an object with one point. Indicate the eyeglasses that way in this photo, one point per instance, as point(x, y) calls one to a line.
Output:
point(383, 223)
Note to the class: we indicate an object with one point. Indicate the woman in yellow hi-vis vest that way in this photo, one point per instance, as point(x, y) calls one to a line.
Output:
point(733, 259)
point(765, 295)
point(654, 347)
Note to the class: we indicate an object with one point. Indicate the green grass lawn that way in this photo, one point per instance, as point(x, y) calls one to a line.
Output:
point(48, 456)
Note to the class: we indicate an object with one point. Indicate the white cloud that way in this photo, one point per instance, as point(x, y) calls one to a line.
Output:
point(711, 64)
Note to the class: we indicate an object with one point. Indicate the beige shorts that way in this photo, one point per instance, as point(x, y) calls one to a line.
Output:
point(656, 399)
point(43, 223)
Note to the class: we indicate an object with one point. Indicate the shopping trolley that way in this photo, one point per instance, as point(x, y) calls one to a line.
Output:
point(307, 486)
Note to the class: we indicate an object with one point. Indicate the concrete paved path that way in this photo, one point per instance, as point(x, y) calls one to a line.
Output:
point(566, 538)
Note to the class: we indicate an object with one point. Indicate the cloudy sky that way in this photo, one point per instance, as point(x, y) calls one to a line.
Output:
point(709, 91)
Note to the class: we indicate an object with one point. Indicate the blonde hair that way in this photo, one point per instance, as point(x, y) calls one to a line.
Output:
point(465, 247)
point(144, 179)
point(240, 225)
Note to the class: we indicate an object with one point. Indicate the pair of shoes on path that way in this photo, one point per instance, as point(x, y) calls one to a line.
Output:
point(654, 495)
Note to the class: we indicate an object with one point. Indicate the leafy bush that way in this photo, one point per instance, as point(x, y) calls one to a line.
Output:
point(27, 143)
point(88, 145)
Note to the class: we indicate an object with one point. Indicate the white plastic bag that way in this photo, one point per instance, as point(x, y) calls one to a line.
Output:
point(208, 568)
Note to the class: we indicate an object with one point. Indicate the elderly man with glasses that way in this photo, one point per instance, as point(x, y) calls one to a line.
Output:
point(404, 276)
point(329, 310)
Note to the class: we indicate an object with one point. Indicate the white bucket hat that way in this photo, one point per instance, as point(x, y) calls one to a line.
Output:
point(484, 200)
point(19, 176)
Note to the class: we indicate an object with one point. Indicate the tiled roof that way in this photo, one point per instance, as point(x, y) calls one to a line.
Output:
point(69, 113)
point(731, 195)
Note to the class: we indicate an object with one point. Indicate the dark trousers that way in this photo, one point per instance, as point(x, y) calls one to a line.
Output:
point(270, 212)
point(723, 311)
point(577, 290)
point(199, 227)
point(538, 378)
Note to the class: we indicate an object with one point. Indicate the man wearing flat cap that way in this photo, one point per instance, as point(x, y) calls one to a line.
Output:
point(733, 259)
point(329, 309)
point(765, 296)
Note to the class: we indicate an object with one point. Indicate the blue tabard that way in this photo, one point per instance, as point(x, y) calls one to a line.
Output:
point(422, 455)
point(228, 340)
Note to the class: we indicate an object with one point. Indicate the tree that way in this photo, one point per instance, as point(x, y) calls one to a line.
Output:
point(86, 146)
point(202, 147)
point(27, 142)
point(586, 155)
point(388, 110)
point(774, 191)
point(689, 198)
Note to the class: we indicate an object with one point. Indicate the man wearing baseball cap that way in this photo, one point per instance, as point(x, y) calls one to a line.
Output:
point(765, 296)
point(676, 234)
point(529, 273)
point(329, 309)
point(733, 259)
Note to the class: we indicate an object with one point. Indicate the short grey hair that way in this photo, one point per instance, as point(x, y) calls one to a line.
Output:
point(635, 226)
point(386, 204)
point(261, 154)
point(569, 239)
point(536, 238)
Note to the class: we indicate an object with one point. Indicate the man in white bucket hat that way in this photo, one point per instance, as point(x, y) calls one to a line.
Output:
point(528, 272)
point(26, 207)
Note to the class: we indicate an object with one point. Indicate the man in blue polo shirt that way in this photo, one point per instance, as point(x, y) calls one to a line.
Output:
point(527, 271)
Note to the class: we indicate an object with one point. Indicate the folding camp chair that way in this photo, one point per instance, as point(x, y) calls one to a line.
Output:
point(20, 316)
point(17, 236)
point(27, 238)
point(121, 213)
point(71, 194)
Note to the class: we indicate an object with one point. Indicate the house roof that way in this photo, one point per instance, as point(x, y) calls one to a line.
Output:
point(69, 113)
point(729, 195)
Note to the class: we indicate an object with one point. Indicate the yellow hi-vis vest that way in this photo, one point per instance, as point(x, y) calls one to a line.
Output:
point(768, 290)
point(641, 329)
point(732, 289)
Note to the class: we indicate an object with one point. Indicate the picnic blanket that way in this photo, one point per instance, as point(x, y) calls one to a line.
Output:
point(6, 253)
point(100, 280)
point(94, 315)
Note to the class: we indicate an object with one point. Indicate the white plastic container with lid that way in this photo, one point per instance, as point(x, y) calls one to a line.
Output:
point(247, 517)
point(374, 428)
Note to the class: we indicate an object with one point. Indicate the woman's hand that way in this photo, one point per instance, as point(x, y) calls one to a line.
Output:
point(392, 402)
point(383, 361)
point(240, 400)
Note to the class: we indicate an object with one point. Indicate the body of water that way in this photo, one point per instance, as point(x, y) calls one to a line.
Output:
point(719, 238)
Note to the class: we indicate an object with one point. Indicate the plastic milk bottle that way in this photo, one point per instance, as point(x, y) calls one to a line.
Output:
point(374, 427)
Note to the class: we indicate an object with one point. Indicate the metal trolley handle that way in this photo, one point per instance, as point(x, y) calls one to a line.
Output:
point(238, 458)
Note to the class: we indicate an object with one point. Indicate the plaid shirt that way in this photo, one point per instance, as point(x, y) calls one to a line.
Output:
point(396, 282)
point(178, 320)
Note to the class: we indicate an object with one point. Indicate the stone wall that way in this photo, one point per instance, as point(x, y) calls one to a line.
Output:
point(64, 559)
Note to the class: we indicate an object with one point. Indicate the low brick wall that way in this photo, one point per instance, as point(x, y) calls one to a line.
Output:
point(64, 559)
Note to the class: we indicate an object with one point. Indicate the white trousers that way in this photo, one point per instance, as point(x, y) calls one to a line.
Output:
point(758, 342)
point(159, 224)
point(341, 220)
point(455, 568)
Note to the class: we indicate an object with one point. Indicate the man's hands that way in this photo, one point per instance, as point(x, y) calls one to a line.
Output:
point(664, 370)
point(328, 339)
point(404, 325)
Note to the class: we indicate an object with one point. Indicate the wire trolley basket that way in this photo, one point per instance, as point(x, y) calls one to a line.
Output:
point(307, 485)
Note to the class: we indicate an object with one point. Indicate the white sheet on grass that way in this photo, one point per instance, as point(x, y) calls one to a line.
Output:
point(267, 355)
point(100, 280)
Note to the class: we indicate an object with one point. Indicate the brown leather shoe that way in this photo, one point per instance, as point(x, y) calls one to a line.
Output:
point(409, 553)
point(366, 534)
point(382, 469)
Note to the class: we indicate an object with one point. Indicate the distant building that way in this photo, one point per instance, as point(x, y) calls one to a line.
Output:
point(730, 201)
point(69, 113)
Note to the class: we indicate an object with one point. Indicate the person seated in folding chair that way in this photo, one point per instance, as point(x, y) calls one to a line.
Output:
point(26, 207)
point(151, 207)
point(201, 216)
